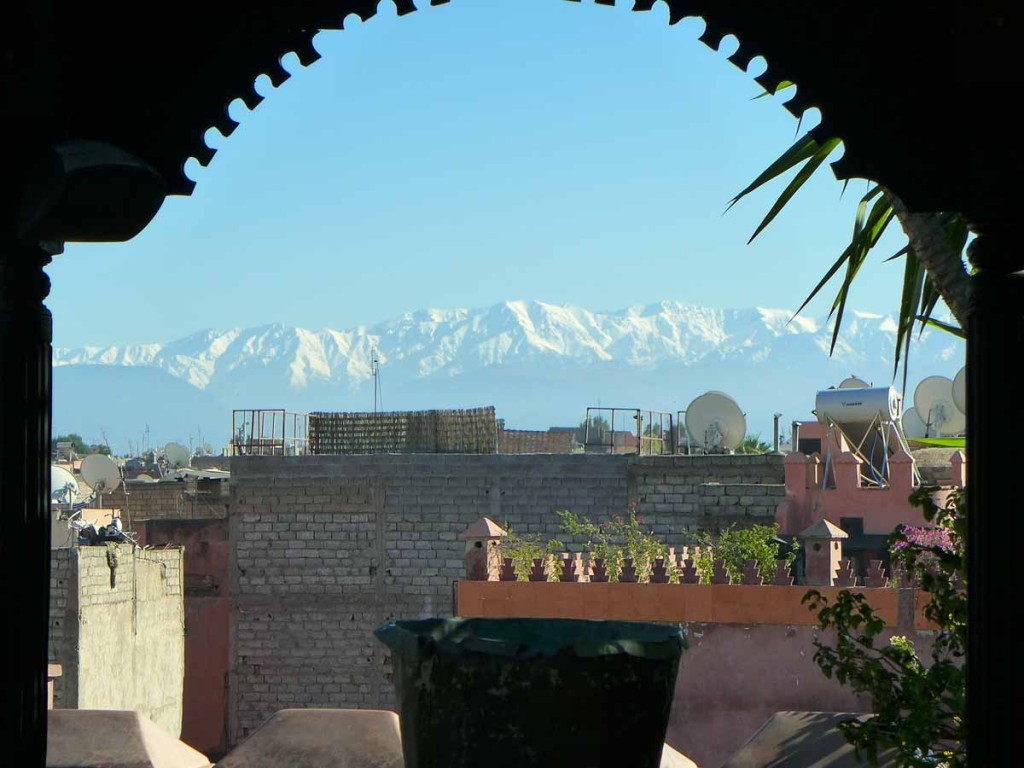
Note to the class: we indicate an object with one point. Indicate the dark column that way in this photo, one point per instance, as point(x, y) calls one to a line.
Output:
point(995, 459)
point(25, 336)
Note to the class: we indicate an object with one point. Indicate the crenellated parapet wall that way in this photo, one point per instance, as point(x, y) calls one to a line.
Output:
point(743, 604)
point(817, 491)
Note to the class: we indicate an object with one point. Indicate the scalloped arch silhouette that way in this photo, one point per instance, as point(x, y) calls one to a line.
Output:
point(714, 33)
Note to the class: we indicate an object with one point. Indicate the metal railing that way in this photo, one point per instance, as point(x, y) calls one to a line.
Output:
point(683, 442)
point(629, 431)
point(269, 432)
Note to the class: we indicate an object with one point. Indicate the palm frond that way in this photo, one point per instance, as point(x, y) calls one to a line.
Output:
point(910, 300)
point(876, 210)
point(804, 148)
point(956, 330)
point(812, 164)
point(868, 226)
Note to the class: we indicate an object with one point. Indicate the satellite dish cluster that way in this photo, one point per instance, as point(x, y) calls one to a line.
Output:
point(99, 474)
point(940, 407)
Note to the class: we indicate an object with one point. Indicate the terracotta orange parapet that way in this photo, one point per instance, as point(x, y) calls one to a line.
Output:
point(705, 603)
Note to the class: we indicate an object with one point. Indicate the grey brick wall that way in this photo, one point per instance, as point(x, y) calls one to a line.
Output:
point(170, 500)
point(327, 548)
point(694, 493)
point(63, 643)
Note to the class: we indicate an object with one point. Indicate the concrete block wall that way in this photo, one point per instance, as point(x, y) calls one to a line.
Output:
point(120, 634)
point(63, 642)
point(325, 549)
point(692, 493)
point(170, 499)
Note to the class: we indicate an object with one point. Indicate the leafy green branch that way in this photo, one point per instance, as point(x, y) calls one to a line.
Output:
point(918, 708)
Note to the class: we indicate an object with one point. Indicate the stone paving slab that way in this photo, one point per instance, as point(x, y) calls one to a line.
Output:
point(801, 740)
point(322, 738)
point(83, 738)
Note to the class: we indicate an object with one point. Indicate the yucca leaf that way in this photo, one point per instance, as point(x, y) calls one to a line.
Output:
point(798, 181)
point(853, 265)
point(868, 227)
point(956, 330)
point(821, 283)
point(783, 85)
point(901, 252)
point(957, 231)
point(803, 149)
point(881, 215)
point(929, 298)
point(913, 282)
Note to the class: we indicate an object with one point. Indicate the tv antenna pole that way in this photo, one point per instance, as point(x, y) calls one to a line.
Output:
point(375, 371)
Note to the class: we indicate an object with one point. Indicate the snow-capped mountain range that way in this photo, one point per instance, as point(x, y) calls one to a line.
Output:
point(539, 364)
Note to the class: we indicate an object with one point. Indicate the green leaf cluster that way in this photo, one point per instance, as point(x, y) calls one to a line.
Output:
point(79, 446)
point(918, 708)
point(736, 545)
point(753, 444)
point(524, 548)
point(875, 213)
point(627, 535)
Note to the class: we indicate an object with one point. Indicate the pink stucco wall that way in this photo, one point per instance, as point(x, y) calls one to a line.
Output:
point(734, 677)
point(811, 496)
point(204, 706)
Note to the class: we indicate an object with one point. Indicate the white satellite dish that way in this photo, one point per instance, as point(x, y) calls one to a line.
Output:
point(177, 455)
point(715, 421)
point(63, 485)
point(960, 390)
point(913, 425)
point(933, 400)
point(145, 478)
point(852, 382)
point(100, 472)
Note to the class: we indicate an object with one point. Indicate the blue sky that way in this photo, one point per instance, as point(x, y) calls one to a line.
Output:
point(468, 154)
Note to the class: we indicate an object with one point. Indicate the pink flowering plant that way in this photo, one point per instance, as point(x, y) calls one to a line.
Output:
point(921, 547)
point(918, 707)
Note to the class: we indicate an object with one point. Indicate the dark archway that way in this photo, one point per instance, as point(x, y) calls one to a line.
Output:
point(919, 95)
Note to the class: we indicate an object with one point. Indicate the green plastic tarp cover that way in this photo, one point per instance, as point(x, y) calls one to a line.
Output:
point(941, 442)
point(530, 638)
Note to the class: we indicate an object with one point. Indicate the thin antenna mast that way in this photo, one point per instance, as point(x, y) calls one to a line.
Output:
point(375, 371)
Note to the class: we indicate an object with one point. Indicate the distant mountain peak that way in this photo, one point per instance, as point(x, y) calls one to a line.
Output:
point(524, 356)
point(429, 341)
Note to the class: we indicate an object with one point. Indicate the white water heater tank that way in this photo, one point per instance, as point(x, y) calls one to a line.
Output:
point(858, 405)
